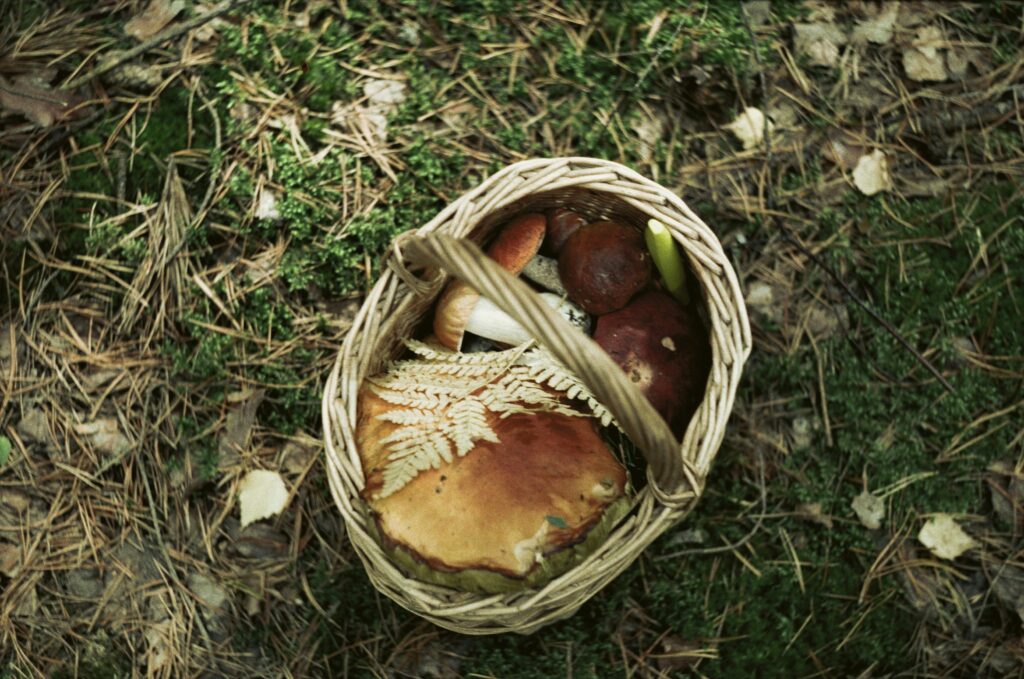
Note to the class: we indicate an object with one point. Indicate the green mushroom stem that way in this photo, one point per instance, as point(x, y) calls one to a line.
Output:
point(667, 260)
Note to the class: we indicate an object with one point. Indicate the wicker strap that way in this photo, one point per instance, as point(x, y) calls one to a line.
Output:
point(579, 353)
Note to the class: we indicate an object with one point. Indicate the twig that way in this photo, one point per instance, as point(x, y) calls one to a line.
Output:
point(788, 235)
point(145, 46)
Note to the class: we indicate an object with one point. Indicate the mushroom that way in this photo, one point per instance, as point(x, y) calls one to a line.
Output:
point(490, 322)
point(562, 223)
point(513, 512)
point(663, 348)
point(514, 247)
point(603, 265)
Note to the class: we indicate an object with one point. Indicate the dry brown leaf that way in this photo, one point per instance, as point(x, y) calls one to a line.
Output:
point(260, 541)
point(819, 42)
point(871, 175)
point(843, 153)
point(811, 511)
point(10, 559)
point(159, 647)
point(105, 436)
point(153, 19)
point(209, 593)
point(758, 12)
point(238, 427)
point(298, 455)
point(34, 427)
point(749, 127)
point(34, 99)
point(878, 28)
point(262, 494)
point(944, 537)
point(28, 605)
point(922, 61)
point(870, 509)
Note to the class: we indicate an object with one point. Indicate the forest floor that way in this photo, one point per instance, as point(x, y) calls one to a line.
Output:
point(186, 232)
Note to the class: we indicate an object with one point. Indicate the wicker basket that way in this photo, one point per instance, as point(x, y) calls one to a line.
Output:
point(400, 302)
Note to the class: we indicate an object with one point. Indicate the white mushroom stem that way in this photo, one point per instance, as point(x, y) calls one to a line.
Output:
point(489, 321)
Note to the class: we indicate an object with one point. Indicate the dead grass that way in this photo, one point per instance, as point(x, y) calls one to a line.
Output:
point(162, 331)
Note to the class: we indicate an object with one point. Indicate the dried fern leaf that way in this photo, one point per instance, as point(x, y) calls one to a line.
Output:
point(445, 399)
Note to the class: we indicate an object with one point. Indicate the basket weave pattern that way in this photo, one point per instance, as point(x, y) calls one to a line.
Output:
point(400, 301)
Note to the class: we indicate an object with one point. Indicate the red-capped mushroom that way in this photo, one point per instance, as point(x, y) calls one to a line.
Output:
point(603, 265)
point(663, 348)
point(562, 223)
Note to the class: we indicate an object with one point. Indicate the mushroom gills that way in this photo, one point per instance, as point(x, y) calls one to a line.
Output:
point(490, 322)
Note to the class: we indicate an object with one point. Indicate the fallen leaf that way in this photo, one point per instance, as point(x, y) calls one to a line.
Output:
point(1007, 583)
point(870, 509)
point(208, 30)
point(28, 605)
point(811, 511)
point(260, 541)
point(105, 436)
point(944, 537)
point(648, 131)
point(34, 427)
point(879, 28)
point(922, 61)
point(33, 99)
point(238, 426)
point(84, 583)
point(159, 647)
point(266, 205)
point(384, 93)
point(5, 450)
point(262, 494)
point(10, 559)
point(843, 152)
point(871, 175)
point(152, 20)
point(802, 435)
point(210, 593)
point(749, 127)
point(299, 454)
point(820, 10)
point(819, 42)
point(758, 12)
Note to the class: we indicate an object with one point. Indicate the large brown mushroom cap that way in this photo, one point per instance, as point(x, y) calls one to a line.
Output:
point(663, 348)
point(504, 506)
point(514, 247)
point(603, 265)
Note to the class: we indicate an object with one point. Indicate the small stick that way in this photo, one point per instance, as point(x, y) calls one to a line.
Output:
point(168, 33)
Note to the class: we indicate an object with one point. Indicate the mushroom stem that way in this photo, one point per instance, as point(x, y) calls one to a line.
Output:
point(489, 321)
point(667, 260)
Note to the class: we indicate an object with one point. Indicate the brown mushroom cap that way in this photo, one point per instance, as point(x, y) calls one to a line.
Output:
point(562, 223)
point(501, 506)
point(514, 247)
point(663, 348)
point(603, 265)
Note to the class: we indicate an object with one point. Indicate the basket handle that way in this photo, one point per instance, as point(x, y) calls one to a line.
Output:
point(674, 480)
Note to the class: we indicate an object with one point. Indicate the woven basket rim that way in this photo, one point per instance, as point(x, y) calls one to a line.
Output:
point(395, 295)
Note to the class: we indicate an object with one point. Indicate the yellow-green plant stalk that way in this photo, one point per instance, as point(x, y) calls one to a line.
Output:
point(668, 260)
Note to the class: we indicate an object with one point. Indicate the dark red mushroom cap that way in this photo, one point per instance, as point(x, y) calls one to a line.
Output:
point(603, 265)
